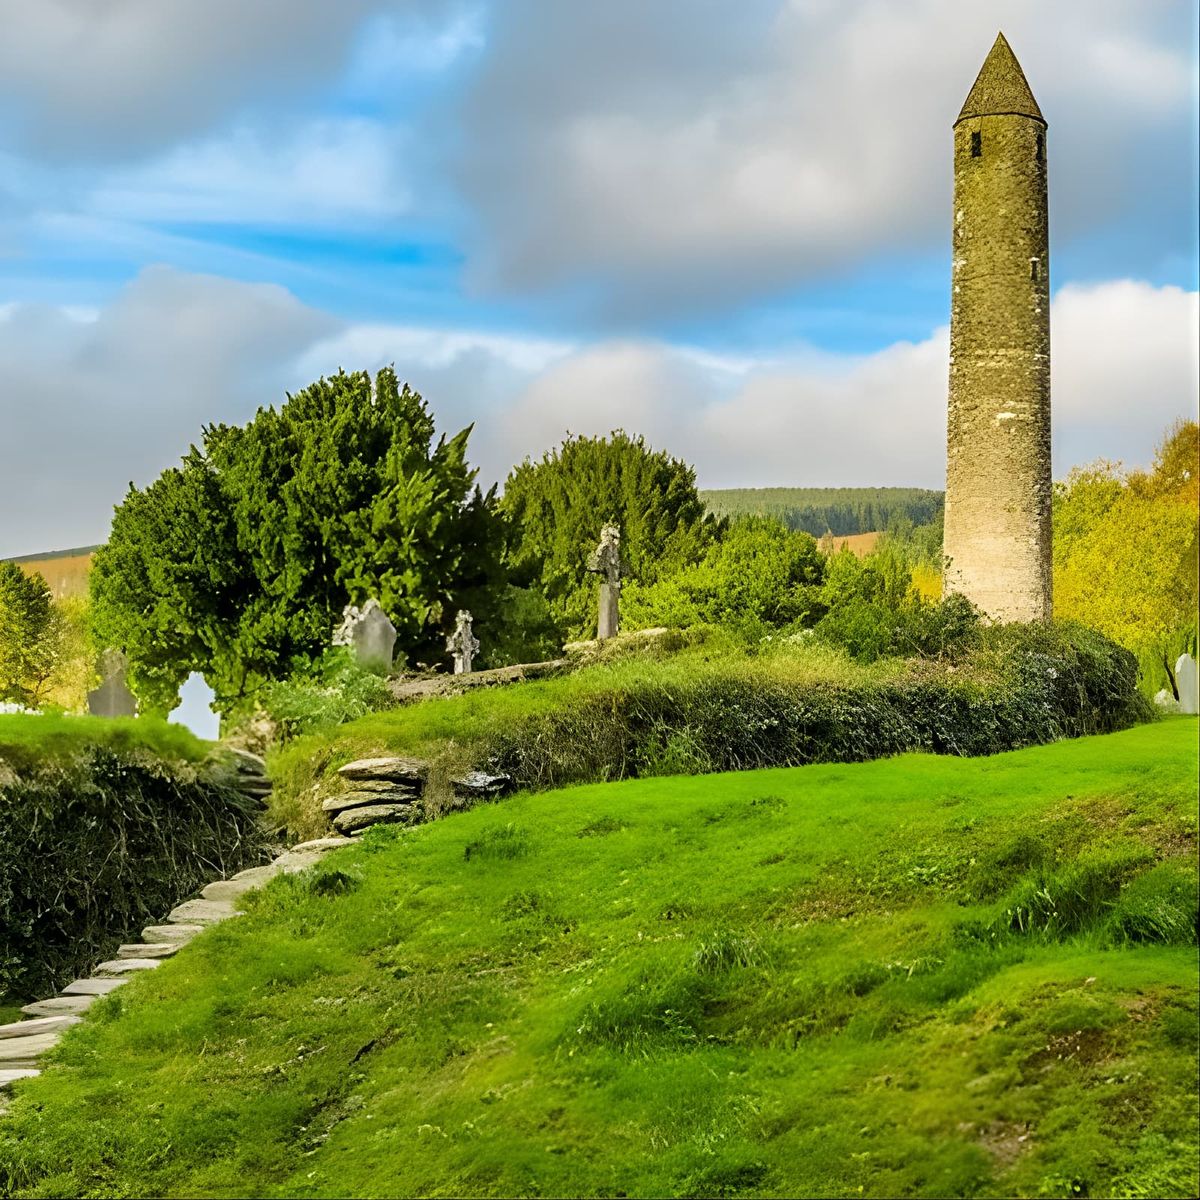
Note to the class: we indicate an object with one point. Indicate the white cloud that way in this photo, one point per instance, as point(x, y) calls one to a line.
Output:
point(89, 402)
point(113, 80)
point(92, 399)
point(681, 156)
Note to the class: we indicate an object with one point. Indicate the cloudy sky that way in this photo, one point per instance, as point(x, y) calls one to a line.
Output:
point(723, 225)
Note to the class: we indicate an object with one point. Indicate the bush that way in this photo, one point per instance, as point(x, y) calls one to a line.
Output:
point(757, 574)
point(95, 847)
point(337, 690)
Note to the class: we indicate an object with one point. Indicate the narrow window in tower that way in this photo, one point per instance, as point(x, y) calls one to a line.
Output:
point(976, 144)
point(1033, 264)
point(1041, 148)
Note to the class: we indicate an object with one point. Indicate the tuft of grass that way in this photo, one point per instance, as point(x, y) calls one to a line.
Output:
point(679, 1009)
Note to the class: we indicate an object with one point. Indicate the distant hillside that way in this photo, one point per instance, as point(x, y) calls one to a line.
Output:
point(838, 510)
point(65, 571)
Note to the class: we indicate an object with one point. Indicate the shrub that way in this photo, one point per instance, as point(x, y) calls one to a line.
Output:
point(757, 573)
point(98, 845)
point(337, 690)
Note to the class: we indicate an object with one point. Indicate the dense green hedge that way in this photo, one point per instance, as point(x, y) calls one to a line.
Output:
point(95, 846)
point(1019, 686)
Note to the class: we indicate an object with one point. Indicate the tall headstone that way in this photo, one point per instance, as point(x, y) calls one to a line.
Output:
point(998, 485)
point(113, 697)
point(463, 644)
point(369, 634)
point(605, 561)
point(1187, 680)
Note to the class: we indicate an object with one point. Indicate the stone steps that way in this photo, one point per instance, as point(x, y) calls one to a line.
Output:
point(22, 1043)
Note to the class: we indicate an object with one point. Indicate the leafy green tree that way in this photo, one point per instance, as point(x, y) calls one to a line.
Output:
point(556, 508)
point(28, 634)
point(238, 563)
point(756, 573)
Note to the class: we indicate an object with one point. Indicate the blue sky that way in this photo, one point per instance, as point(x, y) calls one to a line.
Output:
point(724, 226)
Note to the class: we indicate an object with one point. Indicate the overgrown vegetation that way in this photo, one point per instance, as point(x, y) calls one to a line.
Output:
point(913, 977)
point(721, 704)
point(101, 837)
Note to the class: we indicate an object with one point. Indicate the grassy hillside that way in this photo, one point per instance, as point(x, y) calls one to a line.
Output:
point(27, 740)
point(839, 510)
point(65, 571)
point(919, 976)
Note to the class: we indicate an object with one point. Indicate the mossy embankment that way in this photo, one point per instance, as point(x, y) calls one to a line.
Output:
point(724, 705)
point(104, 826)
point(918, 976)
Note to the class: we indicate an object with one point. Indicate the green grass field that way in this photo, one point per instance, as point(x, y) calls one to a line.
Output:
point(919, 976)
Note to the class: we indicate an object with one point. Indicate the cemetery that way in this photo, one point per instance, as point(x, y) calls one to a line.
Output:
point(365, 830)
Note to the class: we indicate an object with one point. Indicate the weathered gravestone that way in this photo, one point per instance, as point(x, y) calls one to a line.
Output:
point(369, 634)
point(462, 643)
point(605, 561)
point(1188, 682)
point(113, 697)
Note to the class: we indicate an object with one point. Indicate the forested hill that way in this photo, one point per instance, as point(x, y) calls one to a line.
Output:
point(839, 510)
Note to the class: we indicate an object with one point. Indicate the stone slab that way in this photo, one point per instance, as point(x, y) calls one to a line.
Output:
point(92, 987)
point(16, 1073)
point(24, 1051)
point(171, 933)
point(354, 819)
point(391, 769)
point(227, 890)
point(201, 912)
point(356, 799)
point(148, 949)
point(119, 966)
point(19, 1029)
point(482, 785)
point(321, 845)
point(255, 875)
point(56, 1006)
point(246, 760)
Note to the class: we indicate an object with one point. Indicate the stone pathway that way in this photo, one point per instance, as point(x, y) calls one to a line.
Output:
point(24, 1042)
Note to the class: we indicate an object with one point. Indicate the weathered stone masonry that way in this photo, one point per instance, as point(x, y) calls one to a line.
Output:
point(998, 482)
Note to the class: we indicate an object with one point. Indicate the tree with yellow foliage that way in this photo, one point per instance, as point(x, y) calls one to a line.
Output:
point(1126, 552)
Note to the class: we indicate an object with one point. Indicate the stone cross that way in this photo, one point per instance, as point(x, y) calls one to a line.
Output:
point(605, 561)
point(462, 643)
point(113, 697)
point(369, 634)
point(1188, 682)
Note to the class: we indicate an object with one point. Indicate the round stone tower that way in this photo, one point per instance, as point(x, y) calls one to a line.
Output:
point(998, 484)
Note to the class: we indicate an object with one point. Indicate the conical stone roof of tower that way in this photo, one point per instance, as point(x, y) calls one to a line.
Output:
point(1001, 87)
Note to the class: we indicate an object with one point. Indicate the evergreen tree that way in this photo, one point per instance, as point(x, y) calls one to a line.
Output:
point(557, 506)
point(239, 562)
